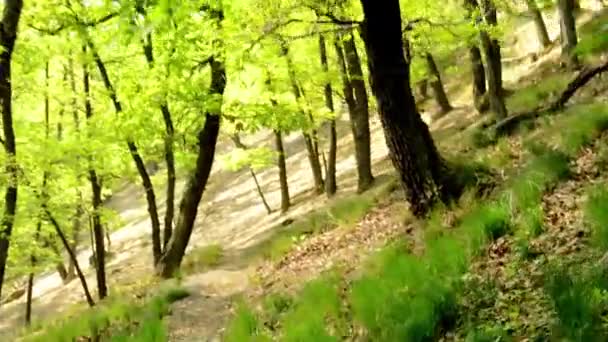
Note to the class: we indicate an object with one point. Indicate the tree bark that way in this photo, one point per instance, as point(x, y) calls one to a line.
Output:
point(437, 85)
point(330, 172)
point(99, 251)
point(568, 36)
point(168, 145)
point(539, 23)
point(278, 140)
point(477, 67)
point(8, 35)
point(309, 137)
point(357, 101)
point(491, 50)
point(30, 279)
point(411, 147)
point(137, 159)
point(207, 140)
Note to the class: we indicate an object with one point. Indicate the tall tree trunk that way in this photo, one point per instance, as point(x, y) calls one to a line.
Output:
point(309, 137)
point(207, 140)
point(99, 252)
point(79, 211)
point(359, 115)
point(278, 140)
point(477, 67)
point(539, 23)
point(137, 159)
point(567, 25)
point(8, 35)
point(330, 172)
point(491, 50)
point(168, 145)
point(479, 78)
point(412, 150)
point(437, 85)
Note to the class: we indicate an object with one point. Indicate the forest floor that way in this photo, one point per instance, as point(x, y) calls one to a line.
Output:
point(232, 216)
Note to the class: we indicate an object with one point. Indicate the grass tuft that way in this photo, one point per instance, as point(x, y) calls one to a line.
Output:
point(596, 214)
point(202, 258)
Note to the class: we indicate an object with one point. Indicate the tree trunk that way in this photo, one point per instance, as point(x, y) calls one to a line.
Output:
point(260, 192)
point(491, 50)
point(76, 223)
point(567, 25)
point(207, 140)
point(477, 67)
point(330, 172)
point(539, 23)
point(309, 137)
point(99, 251)
point(30, 280)
point(411, 147)
point(422, 89)
point(72, 256)
point(137, 159)
point(8, 35)
point(479, 78)
point(239, 144)
point(168, 145)
point(352, 77)
point(76, 228)
point(437, 85)
point(278, 139)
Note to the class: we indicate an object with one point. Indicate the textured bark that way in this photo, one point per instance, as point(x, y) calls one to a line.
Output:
point(97, 244)
point(330, 171)
point(352, 76)
point(437, 85)
point(137, 159)
point(8, 35)
point(567, 25)
point(491, 51)
point(310, 140)
point(539, 23)
point(278, 141)
point(207, 140)
point(411, 147)
point(168, 145)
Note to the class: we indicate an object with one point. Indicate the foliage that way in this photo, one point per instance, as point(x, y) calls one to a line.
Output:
point(596, 214)
point(116, 320)
point(202, 258)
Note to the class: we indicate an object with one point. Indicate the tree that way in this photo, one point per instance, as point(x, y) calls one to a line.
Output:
point(539, 23)
point(491, 51)
point(207, 139)
point(8, 36)
point(437, 85)
point(477, 67)
point(567, 29)
point(330, 172)
point(412, 151)
point(358, 110)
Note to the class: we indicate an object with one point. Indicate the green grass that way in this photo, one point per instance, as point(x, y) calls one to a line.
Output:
point(593, 36)
point(579, 299)
point(115, 320)
point(596, 214)
point(530, 97)
point(202, 258)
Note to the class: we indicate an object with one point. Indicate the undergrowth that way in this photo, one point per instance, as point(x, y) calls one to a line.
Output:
point(115, 320)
